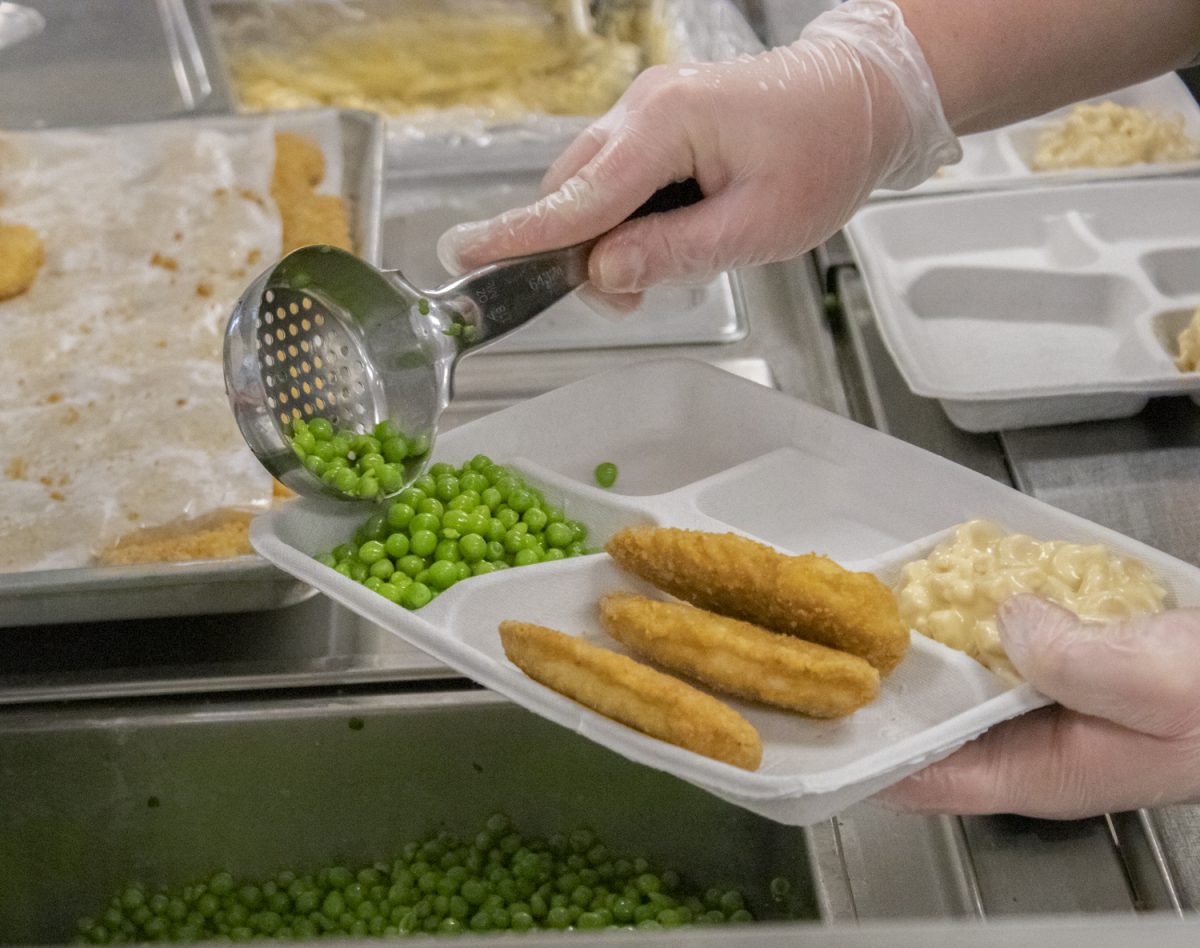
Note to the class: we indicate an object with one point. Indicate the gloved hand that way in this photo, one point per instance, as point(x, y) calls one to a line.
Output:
point(785, 146)
point(1126, 734)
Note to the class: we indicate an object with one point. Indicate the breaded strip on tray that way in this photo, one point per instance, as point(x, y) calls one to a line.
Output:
point(634, 694)
point(808, 596)
point(739, 658)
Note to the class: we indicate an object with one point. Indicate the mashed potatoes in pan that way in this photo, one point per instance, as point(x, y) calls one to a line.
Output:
point(952, 594)
point(508, 58)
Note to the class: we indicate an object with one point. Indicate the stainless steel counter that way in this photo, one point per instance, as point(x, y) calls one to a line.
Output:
point(868, 864)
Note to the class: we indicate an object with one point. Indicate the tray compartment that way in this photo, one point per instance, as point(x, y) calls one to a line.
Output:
point(1068, 328)
point(805, 503)
point(1174, 271)
point(1052, 319)
point(648, 428)
point(255, 788)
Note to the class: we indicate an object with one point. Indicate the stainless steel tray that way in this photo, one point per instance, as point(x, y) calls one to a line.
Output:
point(436, 184)
point(109, 61)
point(175, 792)
point(245, 584)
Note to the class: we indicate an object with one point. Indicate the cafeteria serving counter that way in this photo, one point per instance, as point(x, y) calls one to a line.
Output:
point(169, 703)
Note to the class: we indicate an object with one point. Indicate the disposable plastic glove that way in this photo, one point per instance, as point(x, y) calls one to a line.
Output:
point(1127, 733)
point(785, 146)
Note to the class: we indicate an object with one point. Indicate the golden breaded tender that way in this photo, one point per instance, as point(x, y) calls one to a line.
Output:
point(809, 596)
point(306, 216)
point(21, 257)
point(739, 658)
point(634, 694)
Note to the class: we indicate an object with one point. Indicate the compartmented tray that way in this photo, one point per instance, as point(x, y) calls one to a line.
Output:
point(699, 448)
point(353, 147)
point(1055, 306)
point(431, 186)
point(1003, 158)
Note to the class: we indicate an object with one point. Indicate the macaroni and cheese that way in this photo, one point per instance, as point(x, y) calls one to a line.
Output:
point(1189, 345)
point(1107, 135)
point(952, 594)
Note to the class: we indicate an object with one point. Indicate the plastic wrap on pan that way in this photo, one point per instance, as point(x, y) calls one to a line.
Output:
point(682, 30)
point(50, 586)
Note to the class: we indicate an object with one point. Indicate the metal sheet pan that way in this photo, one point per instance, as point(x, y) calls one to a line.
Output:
point(243, 584)
point(109, 61)
point(170, 798)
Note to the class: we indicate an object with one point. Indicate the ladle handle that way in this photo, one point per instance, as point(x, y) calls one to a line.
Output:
point(496, 299)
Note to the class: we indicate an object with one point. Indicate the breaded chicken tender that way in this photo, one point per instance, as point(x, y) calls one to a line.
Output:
point(307, 217)
point(739, 658)
point(809, 596)
point(21, 257)
point(634, 694)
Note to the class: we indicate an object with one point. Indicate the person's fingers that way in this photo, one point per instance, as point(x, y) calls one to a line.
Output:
point(1142, 673)
point(615, 307)
point(601, 195)
point(686, 245)
point(1055, 764)
point(577, 154)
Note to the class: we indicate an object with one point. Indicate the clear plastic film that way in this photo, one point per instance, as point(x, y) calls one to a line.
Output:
point(112, 400)
point(465, 72)
point(786, 145)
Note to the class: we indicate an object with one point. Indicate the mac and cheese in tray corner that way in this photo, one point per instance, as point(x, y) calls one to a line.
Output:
point(952, 595)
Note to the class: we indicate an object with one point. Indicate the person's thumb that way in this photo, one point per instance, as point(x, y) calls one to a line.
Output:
point(1142, 673)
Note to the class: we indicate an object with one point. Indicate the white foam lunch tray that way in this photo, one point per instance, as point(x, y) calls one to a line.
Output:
point(1037, 307)
point(1002, 158)
point(697, 447)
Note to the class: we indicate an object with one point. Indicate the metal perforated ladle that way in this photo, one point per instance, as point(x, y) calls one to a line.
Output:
point(323, 334)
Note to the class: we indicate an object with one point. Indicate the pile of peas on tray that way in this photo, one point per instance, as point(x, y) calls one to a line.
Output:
point(357, 463)
point(451, 524)
point(497, 881)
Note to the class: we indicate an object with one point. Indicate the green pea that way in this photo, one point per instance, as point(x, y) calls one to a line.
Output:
point(535, 519)
point(346, 481)
point(415, 596)
point(553, 554)
point(559, 535)
point(447, 550)
point(391, 478)
point(454, 523)
point(447, 488)
point(474, 481)
point(442, 574)
point(326, 559)
point(382, 569)
point(423, 542)
point(396, 545)
point(359, 571)
point(395, 449)
point(373, 583)
point(368, 486)
point(374, 528)
point(520, 499)
point(526, 558)
point(371, 552)
point(606, 474)
point(410, 565)
point(424, 521)
point(412, 496)
point(482, 568)
point(463, 570)
point(472, 548)
point(431, 505)
point(321, 428)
